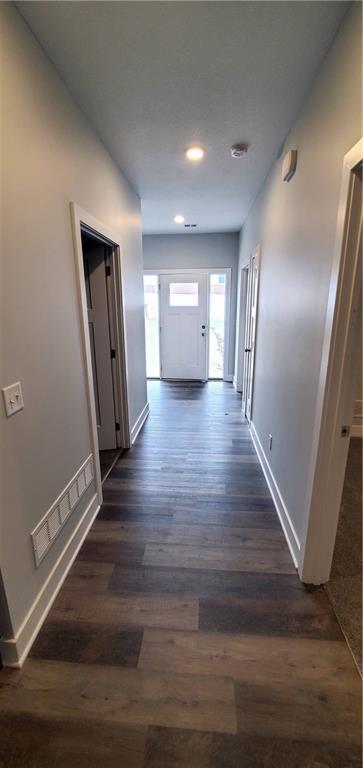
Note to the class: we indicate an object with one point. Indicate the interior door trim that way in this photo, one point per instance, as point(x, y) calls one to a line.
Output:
point(249, 351)
point(81, 220)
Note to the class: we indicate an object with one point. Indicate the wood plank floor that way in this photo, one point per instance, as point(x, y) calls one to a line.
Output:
point(182, 637)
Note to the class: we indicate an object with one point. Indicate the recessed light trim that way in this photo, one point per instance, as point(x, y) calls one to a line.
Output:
point(179, 219)
point(195, 153)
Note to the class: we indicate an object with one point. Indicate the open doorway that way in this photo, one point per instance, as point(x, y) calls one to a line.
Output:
point(337, 388)
point(345, 582)
point(97, 260)
point(98, 264)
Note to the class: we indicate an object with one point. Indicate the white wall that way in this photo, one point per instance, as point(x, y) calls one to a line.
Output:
point(50, 157)
point(295, 224)
point(189, 251)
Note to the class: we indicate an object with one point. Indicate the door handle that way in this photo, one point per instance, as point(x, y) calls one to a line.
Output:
point(248, 349)
point(203, 326)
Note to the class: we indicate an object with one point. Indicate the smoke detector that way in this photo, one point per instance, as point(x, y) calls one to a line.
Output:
point(238, 150)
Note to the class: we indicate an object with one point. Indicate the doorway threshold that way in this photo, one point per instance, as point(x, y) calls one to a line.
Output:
point(108, 460)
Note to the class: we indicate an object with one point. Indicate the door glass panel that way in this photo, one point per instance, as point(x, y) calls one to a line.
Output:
point(151, 304)
point(183, 294)
point(217, 298)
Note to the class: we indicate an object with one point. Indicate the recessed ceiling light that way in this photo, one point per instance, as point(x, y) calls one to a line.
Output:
point(194, 153)
point(179, 219)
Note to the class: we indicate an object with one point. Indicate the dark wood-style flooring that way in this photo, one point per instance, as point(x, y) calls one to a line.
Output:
point(182, 637)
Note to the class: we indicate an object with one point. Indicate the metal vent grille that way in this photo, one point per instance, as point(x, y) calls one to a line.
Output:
point(81, 484)
point(73, 495)
point(64, 508)
point(88, 471)
point(52, 522)
point(41, 540)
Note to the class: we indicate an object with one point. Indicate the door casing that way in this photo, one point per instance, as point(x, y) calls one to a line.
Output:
point(250, 332)
point(240, 340)
point(83, 221)
point(227, 271)
point(336, 393)
point(98, 277)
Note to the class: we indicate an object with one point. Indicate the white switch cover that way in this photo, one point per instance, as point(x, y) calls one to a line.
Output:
point(13, 398)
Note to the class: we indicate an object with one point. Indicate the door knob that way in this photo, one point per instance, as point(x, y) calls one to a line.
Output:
point(203, 326)
point(247, 349)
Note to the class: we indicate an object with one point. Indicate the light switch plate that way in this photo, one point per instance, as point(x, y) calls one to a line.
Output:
point(13, 398)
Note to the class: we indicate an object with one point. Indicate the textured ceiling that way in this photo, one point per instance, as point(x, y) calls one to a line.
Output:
point(153, 77)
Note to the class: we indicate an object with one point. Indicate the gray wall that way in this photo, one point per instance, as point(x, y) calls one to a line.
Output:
point(51, 158)
point(295, 224)
point(193, 252)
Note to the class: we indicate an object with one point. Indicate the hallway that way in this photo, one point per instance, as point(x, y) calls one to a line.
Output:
point(182, 636)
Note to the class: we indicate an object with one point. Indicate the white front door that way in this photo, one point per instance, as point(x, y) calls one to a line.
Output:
point(184, 331)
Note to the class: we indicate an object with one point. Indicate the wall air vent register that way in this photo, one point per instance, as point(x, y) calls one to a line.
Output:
point(53, 521)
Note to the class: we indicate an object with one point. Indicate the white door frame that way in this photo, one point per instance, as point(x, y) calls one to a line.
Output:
point(336, 391)
point(227, 271)
point(241, 330)
point(82, 219)
point(249, 362)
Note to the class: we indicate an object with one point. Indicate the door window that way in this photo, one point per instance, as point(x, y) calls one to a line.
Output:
point(183, 295)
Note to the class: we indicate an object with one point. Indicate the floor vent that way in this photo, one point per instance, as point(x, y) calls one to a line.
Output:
point(53, 521)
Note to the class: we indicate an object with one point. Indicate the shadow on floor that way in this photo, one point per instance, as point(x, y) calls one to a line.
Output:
point(107, 460)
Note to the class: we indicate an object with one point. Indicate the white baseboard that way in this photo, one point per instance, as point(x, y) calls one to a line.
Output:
point(284, 517)
point(14, 650)
point(229, 377)
point(139, 423)
point(234, 381)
